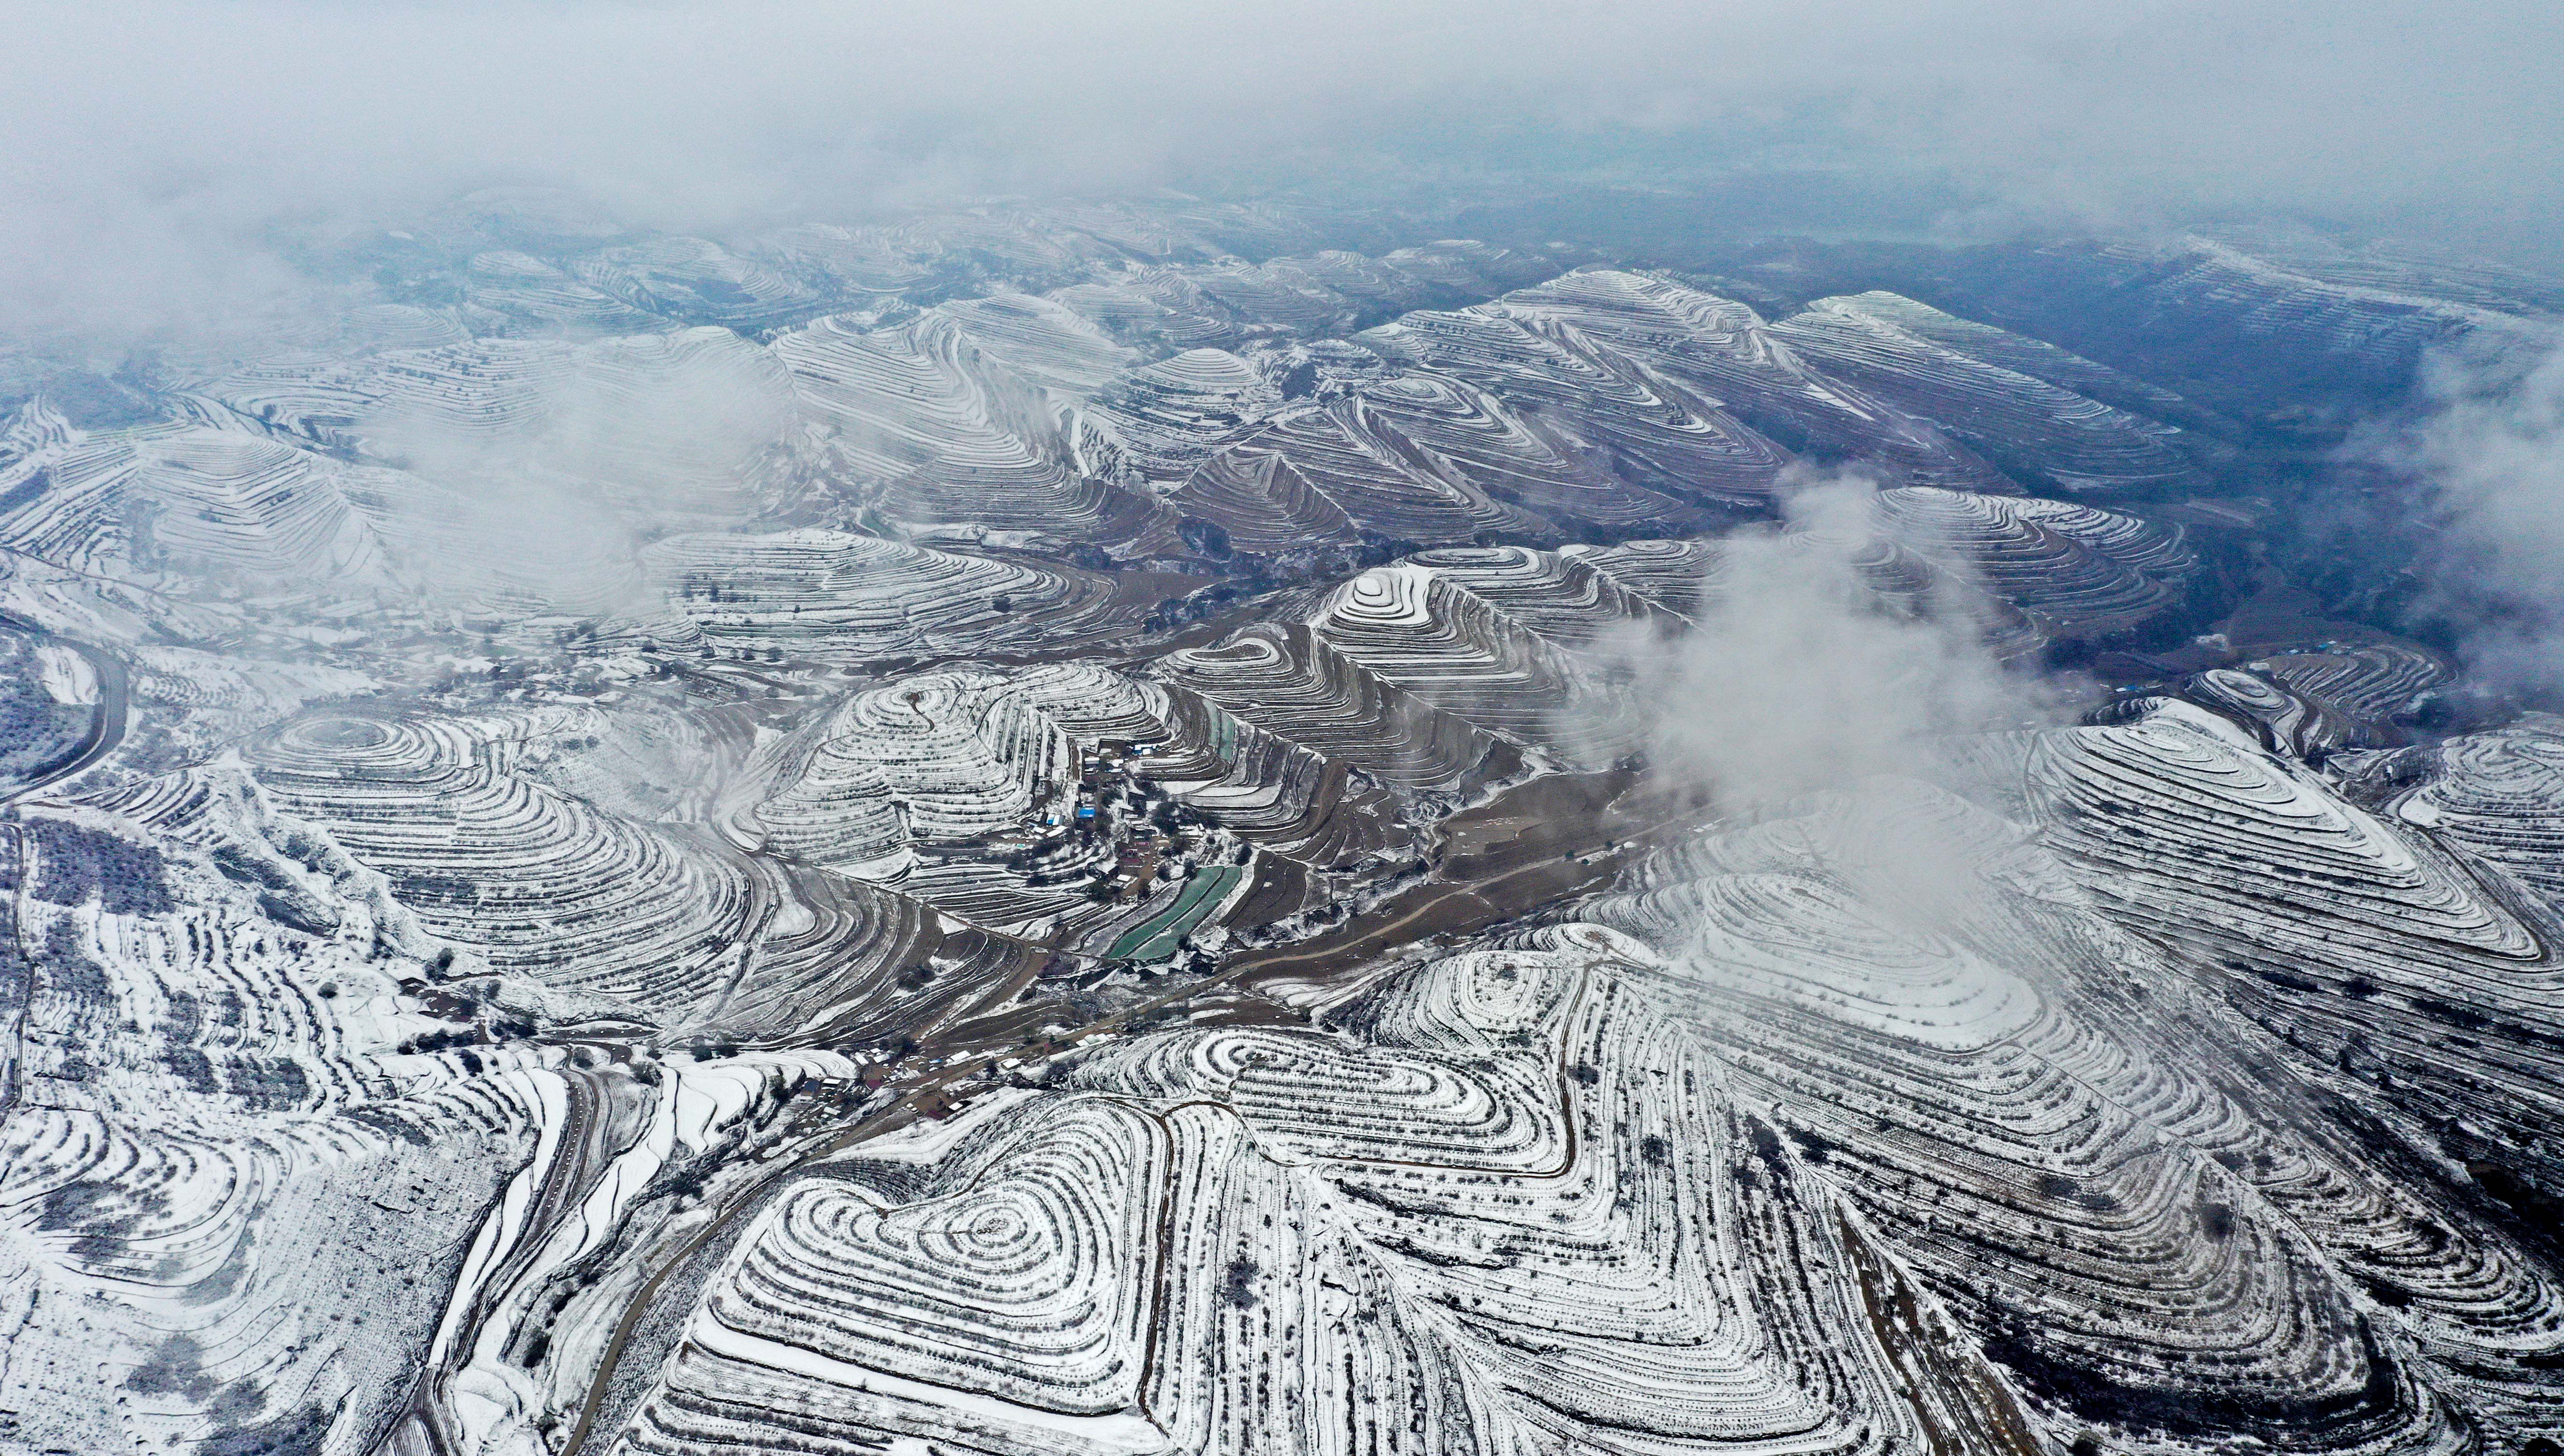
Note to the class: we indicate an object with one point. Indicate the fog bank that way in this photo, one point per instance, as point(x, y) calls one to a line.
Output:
point(174, 162)
point(2489, 453)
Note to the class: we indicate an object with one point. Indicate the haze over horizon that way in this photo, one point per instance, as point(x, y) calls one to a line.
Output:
point(170, 156)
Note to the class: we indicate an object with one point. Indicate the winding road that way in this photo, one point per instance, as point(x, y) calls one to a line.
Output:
point(107, 725)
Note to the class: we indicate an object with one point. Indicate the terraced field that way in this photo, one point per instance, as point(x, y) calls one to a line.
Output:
point(1071, 829)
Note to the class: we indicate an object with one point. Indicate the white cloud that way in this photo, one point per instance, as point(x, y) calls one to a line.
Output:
point(1800, 677)
point(2490, 452)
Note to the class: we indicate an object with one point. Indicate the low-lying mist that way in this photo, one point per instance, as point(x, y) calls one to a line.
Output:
point(1803, 676)
point(2487, 451)
point(1806, 691)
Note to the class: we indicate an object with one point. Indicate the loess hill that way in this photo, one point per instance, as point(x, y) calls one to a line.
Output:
point(1033, 830)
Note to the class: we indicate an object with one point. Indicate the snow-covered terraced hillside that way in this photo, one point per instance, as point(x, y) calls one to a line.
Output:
point(2125, 1125)
point(1499, 1205)
point(1285, 679)
point(949, 433)
point(489, 857)
point(2070, 442)
point(977, 791)
point(233, 1193)
point(2073, 570)
point(1050, 828)
point(1335, 472)
point(1717, 349)
point(839, 597)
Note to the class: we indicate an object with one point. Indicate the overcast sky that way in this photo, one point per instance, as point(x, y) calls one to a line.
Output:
point(154, 143)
